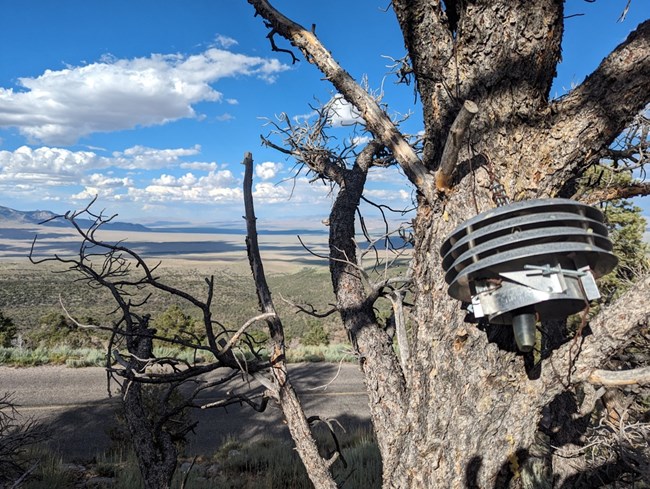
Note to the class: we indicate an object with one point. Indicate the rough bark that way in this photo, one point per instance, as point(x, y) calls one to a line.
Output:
point(471, 408)
point(153, 446)
point(382, 373)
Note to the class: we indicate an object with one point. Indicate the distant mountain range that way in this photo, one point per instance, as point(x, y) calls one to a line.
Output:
point(9, 217)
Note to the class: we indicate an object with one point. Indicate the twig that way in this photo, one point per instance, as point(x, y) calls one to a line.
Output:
point(325, 386)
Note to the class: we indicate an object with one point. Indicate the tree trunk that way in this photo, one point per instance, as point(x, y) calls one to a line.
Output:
point(154, 448)
point(153, 445)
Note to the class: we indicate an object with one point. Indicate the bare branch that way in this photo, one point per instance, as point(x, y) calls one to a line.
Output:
point(309, 309)
point(615, 192)
point(609, 330)
point(235, 338)
point(635, 376)
point(590, 117)
point(317, 468)
point(397, 300)
point(377, 122)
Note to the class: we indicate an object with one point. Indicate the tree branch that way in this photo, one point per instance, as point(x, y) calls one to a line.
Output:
point(588, 119)
point(611, 378)
point(609, 330)
point(615, 192)
point(317, 468)
point(377, 122)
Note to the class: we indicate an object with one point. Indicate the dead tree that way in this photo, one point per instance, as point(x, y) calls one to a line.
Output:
point(459, 411)
point(131, 361)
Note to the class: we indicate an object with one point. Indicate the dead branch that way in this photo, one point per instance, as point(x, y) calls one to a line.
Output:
point(309, 309)
point(239, 399)
point(457, 132)
point(610, 378)
point(397, 301)
point(235, 337)
point(336, 453)
point(615, 192)
point(377, 122)
point(282, 390)
point(609, 330)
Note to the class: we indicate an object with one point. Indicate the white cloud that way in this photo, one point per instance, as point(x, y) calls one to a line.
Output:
point(142, 157)
point(215, 186)
point(399, 196)
point(59, 107)
point(77, 176)
point(103, 181)
point(101, 186)
point(57, 165)
point(267, 170)
point(225, 41)
point(50, 165)
point(269, 193)
point(199, 166)
point(342, 113)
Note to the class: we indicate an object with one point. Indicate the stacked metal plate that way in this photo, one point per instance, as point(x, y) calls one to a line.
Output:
point(528, 260)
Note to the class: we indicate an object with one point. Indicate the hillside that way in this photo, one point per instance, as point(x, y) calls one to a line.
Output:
point(14, 218)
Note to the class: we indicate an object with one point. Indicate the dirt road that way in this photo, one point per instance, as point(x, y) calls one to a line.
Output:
point(76, 405)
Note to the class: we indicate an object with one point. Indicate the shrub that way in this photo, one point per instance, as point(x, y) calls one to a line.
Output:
point(8, 330)
point(316, 335)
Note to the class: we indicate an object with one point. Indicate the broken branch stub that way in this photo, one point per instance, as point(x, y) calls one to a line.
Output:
point(445, 173)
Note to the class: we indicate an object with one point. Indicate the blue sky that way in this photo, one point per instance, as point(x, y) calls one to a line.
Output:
point(151, 104)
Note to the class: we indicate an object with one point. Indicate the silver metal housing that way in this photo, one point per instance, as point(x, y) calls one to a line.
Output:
point(541, 255)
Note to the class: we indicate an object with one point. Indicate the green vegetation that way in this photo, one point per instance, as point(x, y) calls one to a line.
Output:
point(626, 227)
point(262, 464)
point(35, 324)
point(316, 335)
point(94, 357)
point(7, 330)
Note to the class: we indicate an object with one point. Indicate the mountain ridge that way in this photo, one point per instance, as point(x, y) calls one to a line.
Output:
point(47, 218)
point(9, 217)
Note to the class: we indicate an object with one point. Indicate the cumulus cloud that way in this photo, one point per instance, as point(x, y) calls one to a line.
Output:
point(342, 113)
point(52, 165)
point(388, 195)
point(107, 181)
point(198, 165)
point(102, 186)
point(143, 157)
point(78, 176)
point(59, 107)
point(215, 186)
point(267, 170)
point(56, 165)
